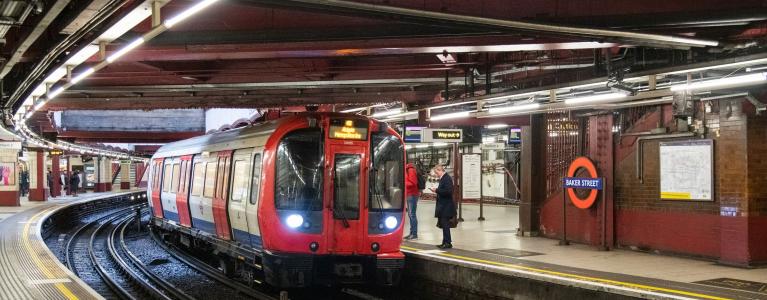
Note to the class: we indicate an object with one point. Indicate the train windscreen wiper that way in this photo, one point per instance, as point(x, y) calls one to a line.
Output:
point(341, 214)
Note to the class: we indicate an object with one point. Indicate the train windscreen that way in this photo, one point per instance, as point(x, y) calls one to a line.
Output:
point(298, 184)
point(387, 186)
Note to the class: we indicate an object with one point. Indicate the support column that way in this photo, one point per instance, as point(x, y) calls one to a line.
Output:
point(125, 183)
point(38, 186)
point(140, 169)
point(55, 175)
point(532, 176)
point(103, 175)
point(9, 184)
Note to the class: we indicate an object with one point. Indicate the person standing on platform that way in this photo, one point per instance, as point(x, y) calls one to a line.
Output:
point(49, 178)
point(444, 210)
point(74, 182)
point(413, 186)
point(24, 182)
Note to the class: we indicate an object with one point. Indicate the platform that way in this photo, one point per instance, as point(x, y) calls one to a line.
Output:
point(28, 270)
point(493, 245)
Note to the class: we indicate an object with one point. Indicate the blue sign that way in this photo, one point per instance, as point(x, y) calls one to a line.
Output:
point(583, 183)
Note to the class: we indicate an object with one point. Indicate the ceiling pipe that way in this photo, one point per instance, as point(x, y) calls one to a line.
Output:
point(452, 20)
point(38, 30)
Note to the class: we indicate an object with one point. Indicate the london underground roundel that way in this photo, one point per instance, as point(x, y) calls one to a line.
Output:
point(593, 183)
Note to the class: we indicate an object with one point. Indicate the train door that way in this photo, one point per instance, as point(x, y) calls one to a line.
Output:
point(251, 210)
point(347, 187)
point(239, 194)
point(170, 179)
point(156, 187)
point(203, 189)
point(182, 193)
point(220, 196)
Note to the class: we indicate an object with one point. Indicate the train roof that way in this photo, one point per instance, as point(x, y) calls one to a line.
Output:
point(209, 142)
point(227, 139)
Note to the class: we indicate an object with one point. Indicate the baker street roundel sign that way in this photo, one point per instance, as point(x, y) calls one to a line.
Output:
point(592, 183)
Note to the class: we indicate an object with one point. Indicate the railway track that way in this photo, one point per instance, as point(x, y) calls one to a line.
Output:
point(119, 262)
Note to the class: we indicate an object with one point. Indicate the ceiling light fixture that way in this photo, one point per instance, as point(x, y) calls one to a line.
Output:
point(189, 12)
point(82, 75)
point(595, 98)
point(496, 126)
point(456, 115)
point(721, 82)
point(125, 50)
point(514, 108)
point(386, 113)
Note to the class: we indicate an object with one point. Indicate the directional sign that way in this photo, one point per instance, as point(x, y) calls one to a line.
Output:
point(431, 135)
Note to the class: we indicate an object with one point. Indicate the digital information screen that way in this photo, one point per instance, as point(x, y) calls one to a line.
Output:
point(413, 134)
point(345, 129)
point(515, 135)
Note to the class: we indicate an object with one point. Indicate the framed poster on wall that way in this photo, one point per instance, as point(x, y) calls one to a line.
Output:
point(471, 176)
point(687, 170)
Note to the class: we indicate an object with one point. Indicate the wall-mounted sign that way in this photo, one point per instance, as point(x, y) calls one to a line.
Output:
point(492, 146)
point(413, 134)
point(686, 170)
point(592, 182)
point(471, 176)
point(515, 136)
point(431, 135)
point(345, 129)
point(56, 152)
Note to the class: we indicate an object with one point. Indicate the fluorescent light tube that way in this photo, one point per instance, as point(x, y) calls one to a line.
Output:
point(188, 13)
point(513, 108)
point(496, 126)
point(125, 50)
point(595, 98)
point(721, 82)
point(386, 113)
point(55, 93)
point(82, 75)
point(456, 115)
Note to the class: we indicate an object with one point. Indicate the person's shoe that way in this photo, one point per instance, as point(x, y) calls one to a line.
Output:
point(446, 246)
point(408, 237)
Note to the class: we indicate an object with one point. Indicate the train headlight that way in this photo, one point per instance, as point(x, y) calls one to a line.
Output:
point(390, 222)
point(294, 221)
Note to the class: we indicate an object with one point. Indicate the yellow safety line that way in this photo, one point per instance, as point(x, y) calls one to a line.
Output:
point(27, 244)
point(574, 276)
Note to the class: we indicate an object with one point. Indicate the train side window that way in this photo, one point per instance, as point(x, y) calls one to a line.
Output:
point(210, 180)
point(182, 178)
point(240, 180)
point(199, 179)
point(256, 181)
point(176, 173)
point(167, 170)
point(219, 177)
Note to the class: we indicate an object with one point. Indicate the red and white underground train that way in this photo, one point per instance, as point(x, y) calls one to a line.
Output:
point(312, 199)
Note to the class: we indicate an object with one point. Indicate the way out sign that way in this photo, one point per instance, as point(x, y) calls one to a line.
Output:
point(593, 182)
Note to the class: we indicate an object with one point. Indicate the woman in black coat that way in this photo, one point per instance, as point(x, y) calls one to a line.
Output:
point(445, 207)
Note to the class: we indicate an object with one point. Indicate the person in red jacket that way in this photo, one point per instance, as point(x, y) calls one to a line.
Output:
point(411, 193)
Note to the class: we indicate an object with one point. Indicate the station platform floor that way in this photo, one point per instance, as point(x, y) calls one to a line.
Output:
point(28, 269)
point(493, 243)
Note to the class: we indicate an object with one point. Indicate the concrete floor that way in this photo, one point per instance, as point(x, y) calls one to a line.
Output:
point(499, 231)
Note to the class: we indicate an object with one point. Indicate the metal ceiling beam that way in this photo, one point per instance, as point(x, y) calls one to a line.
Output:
point(453, 20)
point(319, 84)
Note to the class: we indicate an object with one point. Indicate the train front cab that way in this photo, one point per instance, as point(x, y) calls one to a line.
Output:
point(339, 203)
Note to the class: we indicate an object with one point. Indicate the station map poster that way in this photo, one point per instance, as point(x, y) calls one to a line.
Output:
point(471, 176)
point(686, 170)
